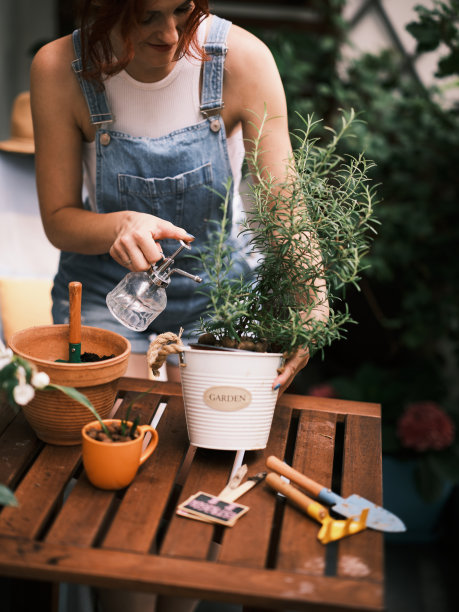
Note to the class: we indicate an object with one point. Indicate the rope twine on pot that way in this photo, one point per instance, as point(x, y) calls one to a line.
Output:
point(162, 346)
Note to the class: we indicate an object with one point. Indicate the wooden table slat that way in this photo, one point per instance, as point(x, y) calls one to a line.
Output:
point(140, 405)
point(186, 578)
point(344, 407)
point(361, 556)
point(7, 414)
point(82, 516)
point(40, 490)
point(138, 517)
point(362, 467)
point(247, 543)
point(188, 538)
point(158, 388)
point(18, 447)
point(299, 548)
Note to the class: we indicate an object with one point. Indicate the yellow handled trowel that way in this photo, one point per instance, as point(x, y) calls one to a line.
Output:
point(332, 529)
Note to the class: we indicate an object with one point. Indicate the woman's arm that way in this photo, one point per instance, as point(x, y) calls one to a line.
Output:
point(61, 125)
point(252, 77)
point(252, 84)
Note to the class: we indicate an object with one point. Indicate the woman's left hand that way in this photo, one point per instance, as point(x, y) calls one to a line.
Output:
point(291, 368)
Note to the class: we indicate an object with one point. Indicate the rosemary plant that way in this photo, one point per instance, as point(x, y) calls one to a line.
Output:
point(314, 227)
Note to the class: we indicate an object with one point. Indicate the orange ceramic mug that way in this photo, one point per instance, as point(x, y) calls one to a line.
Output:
point(113, 465)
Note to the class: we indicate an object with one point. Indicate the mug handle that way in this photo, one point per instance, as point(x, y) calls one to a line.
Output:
point(144, 429)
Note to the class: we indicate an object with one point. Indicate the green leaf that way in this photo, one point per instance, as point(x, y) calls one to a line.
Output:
point(449, 65)
point(134, 427)
point(325, 207)
point(427, 34)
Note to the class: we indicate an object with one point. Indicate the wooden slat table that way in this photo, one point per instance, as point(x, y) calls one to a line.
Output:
point(271, 558)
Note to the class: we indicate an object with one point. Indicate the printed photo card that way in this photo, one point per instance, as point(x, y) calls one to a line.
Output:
point(212, 509)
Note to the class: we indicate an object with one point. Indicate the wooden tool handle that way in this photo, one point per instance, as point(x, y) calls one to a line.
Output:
point(75, 312)
point(301, 500)
point(313, 487)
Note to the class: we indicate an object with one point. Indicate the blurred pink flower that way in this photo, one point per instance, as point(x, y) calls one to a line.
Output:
point(322, 390)
point(425, 426)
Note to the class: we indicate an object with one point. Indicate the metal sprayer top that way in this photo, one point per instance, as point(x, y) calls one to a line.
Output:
point(160, 273)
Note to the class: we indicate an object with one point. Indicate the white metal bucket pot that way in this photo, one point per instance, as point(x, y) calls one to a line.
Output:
point(228, 397)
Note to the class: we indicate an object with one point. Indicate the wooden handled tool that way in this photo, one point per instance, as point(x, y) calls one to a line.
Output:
point(75, 322)
point(312, 487)
point(331, 529)
point(351, 506)
point(301, 500)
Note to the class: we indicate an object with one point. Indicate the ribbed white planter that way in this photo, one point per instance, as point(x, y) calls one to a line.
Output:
point(228, 397)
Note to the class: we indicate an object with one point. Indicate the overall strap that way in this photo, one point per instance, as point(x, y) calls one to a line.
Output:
point(95, 97)
point(212, 81)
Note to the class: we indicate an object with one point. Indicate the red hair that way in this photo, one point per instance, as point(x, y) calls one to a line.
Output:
point(97, 19)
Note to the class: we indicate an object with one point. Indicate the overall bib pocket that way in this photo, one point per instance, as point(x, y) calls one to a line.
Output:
point(171, 197)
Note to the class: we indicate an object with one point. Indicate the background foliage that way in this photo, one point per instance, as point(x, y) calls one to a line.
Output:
point(406, 346)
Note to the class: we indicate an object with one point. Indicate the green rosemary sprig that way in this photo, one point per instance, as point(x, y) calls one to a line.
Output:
point(314, 227)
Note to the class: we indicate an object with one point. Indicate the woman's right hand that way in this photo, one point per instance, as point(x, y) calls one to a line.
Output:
point(136, 245)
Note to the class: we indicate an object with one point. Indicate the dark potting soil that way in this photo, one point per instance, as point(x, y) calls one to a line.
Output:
point(246, 344)
point(88, 357)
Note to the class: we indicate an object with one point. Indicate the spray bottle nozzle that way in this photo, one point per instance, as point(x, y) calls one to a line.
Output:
point(160, 274)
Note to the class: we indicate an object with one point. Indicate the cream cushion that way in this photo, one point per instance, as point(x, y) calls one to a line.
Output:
point(24, 302)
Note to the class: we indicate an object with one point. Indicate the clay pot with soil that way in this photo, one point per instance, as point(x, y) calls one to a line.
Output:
point(55, 417)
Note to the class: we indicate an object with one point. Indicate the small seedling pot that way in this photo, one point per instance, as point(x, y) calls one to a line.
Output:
point(228, 397)
point(113, 465)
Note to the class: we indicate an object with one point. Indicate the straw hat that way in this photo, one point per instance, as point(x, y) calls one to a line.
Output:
point(21, 140)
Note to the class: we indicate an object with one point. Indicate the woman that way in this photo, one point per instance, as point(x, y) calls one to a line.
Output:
point(153, 118)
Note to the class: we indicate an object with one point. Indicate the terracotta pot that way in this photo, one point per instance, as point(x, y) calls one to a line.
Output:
point(56, 418)
point(113, 465)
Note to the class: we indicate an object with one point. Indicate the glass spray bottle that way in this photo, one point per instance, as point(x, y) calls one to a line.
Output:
point(141, 296)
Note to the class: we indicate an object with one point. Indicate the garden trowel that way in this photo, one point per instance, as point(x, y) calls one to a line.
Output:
point(332, 529)
point(378, 518)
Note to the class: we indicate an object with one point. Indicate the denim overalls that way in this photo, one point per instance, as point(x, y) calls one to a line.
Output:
point(173, 177)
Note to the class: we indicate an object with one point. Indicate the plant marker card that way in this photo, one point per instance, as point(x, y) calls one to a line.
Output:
point(212, 508)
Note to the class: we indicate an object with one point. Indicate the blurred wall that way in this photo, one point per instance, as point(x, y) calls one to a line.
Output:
point(382, 25)
point(26, 23)
point(23, 25)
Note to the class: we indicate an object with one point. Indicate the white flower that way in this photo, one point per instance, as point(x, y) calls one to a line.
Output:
point(23, 393)
point(40, 380)
point(6, 355)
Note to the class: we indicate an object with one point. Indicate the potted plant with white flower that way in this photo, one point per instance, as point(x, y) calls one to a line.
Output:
point(19, 381)
point(58, 418)
point(112, 448)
